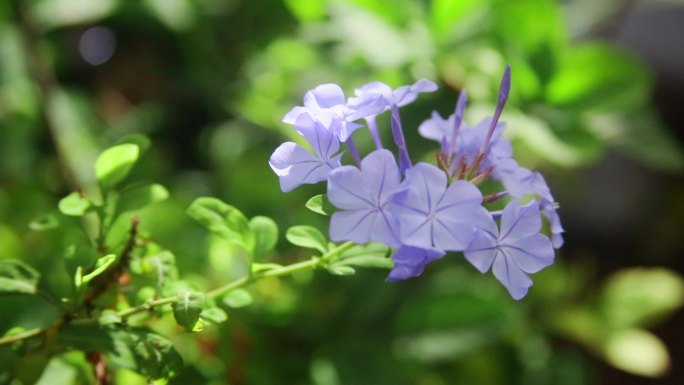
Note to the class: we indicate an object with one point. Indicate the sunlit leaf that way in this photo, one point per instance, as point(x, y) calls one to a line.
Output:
point(214, 315)
point(340, 270)
point(307, 10)
point(17, 277)
point(265, 232)
point(641, 296)
point(222, 219)
point(74, 204)
point(369, 255)
point(238, 298)
point(446, 13)
point(60, 13)
point(321, 205)
point(139, 197)
point(307, 236)
point(187, 308)
point(114, 164)
point(101, 265)
point(638, 352)
point(599, 76)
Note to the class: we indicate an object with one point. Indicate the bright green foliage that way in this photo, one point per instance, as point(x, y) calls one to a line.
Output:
point(114, 164)
point(74, 205)
point(307, 236)
point(139, 197)
point(321, 205)
point(265, 232)
point(238, 298)
point(223, 220)
point(17, 277)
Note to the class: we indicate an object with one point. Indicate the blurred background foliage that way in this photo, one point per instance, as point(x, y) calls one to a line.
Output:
point(209, 80)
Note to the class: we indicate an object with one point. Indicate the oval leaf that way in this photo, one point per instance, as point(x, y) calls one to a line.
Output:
point(187, 309)
point(340, 270)
point(638, 352)
point(320, 205)
point(214, 315)
point(222, 219)
point(307, 236)
point(114, 164)
point(139, 197)
point(74, 204)
point(238, 298)
point(265, 232)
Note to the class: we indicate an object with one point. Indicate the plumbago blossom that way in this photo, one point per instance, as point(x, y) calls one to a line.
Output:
point(423, 211)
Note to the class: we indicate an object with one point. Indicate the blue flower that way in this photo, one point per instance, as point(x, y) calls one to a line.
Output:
point(515, 251)
point(399, 97)
point(434, 215)
point(295, 165)
point(410, 261)
point(363, 196)
point(327, 104)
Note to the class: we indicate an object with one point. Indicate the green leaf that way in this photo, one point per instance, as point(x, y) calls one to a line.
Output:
point(109, 317)
point(265, 232)
point(446, 13)
point(101, 265)
point(162, 266)
point(44, 222)
point(238, 298)
point(306, 10)
point(321, 205)
point(114, 164)
point(369, 255)
point(187, 308)
point(599, 76)
point(139, 197)
point(214, 315)
point(74, 204)
point(307, 236)
point(132, 348)
point(340, 270)
point(140, 140)
point(17, 277)
point(641, 296)
point(223, 220)
point(638, 352)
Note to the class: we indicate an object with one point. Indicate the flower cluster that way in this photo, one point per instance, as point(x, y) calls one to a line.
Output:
point(422, 211)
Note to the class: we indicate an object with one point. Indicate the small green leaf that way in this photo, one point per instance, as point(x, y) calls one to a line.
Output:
point(114, 164)
point(307, 236)
point(74, 204)
point(238, 298)
point(187, 308)
point(638, 352)
point(371, 254)
point(214, 315)
point(139, 197)
point(321, 205)
point(101, 265)
point(222, 219)
point(44, 222)
point(340, 270)
point(265, 232)
point(641, 296)
point(162, 266)
point(17, 277)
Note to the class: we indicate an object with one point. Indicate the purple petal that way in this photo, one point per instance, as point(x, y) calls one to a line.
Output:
point(381, 174)
point(407, 94)
point(426, 184)
point(436, 128)
point(324, 96)
point(481, 250)
point(531, 254)
point(516, 281)
point(293, 114)
point(294, 166)
point(519, 222)
point(451, 236)
point(410, 262)
point(352, 225)
point(323, 142)
point(346, 189)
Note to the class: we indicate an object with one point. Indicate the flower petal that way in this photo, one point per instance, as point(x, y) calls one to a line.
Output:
point(324, 96)
point(381, 174)
point(410, 262)
point(531, 254)
point(481, 250)
point(516, 281)
point(323, 142)
point(352, 225)
point(295, 166)
point(519, 222)
point(346, 189)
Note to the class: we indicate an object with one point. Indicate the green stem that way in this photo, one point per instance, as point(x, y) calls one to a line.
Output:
point(312, 263)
